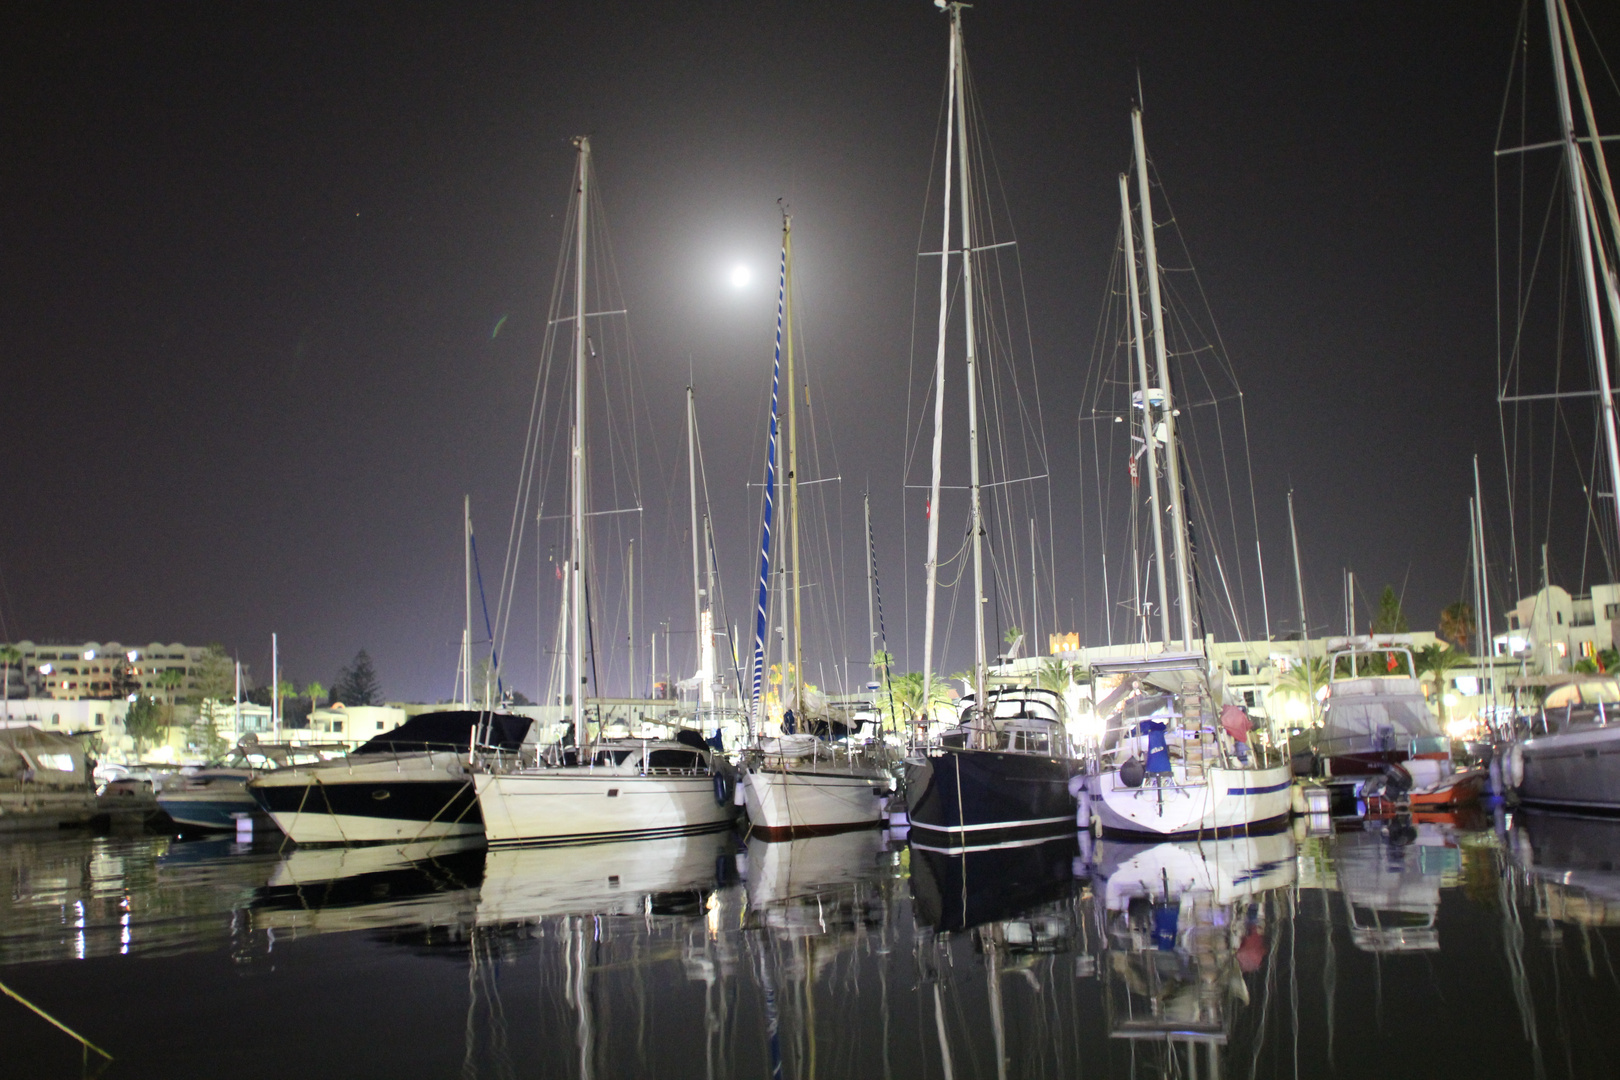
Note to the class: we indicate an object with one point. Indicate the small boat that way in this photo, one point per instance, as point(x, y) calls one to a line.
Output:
point(1171, 763)
point(216, 796)
point(404, 785)
point(1376, 717)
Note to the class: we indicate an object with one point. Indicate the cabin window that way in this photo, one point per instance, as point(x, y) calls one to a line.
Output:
point(337, 727)
point(611, 757)
point(1240, 666)
point(673, 759)
point(1611, 611)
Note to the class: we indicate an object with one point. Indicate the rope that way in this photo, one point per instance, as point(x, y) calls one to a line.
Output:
point(53, 1021)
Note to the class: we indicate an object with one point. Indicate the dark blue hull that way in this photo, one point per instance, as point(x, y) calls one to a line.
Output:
point(960, 799)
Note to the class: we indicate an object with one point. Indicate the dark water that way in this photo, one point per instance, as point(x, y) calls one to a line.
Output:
point(1384, 950)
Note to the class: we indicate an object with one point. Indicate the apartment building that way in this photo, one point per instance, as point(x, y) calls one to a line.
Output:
point(69, 671)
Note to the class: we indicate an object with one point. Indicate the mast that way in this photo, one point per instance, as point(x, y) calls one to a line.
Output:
point(1611, 287)
point(576, 642)
point(630, 572)
point(1034, 601)
point(762, 605)
point(1147, 413)
point(932, 563)
point(793, 476)
point(466, 627)
point(974, 518)
point(697, 588)
point(1299, 581)
point(871, 609)
point(275, 683)
point(1482, 619)
point(1161, 359)
point(706, 627)
point(1581, 197)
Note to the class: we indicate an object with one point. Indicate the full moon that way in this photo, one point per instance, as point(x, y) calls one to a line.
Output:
point(740, 276)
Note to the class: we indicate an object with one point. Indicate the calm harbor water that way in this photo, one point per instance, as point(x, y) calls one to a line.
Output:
point(1381, 949)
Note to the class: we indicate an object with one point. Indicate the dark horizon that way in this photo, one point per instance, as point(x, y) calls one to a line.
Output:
point(276, 279)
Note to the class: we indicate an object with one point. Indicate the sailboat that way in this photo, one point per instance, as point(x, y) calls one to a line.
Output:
point(593, 789)
point(1571, 758)
point(1002, 775)
point(1173, 760)
point(804, 782)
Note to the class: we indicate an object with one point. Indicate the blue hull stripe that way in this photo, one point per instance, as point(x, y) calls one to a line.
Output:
point(1258, 790)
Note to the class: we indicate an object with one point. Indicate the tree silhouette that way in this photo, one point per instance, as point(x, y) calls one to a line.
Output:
point(357, 684)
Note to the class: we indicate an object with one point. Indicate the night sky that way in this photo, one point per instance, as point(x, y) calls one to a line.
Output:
point(253, 258)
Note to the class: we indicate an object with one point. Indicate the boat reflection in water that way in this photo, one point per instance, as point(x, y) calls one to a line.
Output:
point(428, 886)
point(1573, 861)
point(1184, 927)
point(1390, 875)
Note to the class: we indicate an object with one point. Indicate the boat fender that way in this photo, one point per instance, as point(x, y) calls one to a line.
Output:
point(723, 789)
point(1515, 766)
point(738, 796)
point(1132, 773)
point(1077, 784)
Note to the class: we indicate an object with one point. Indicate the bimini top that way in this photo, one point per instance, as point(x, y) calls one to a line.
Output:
point(1190, 661)
point(451, 731)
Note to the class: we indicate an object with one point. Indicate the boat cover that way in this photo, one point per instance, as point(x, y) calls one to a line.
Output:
point(1369, 712)
point(451, 730)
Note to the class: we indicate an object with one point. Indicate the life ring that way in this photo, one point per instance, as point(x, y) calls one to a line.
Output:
point(723, 788)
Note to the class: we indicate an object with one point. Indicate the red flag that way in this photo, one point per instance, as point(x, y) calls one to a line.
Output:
point(559, 570)
point(1390, 662)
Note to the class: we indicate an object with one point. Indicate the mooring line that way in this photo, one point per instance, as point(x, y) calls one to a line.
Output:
point(42, 1014)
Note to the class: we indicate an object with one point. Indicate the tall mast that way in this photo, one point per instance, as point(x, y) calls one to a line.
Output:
point(1150, 255)
point(1034, 597)
point(1605, 182)
point(1581, 198)
point(793, 478)
point(630, 591)
point(932, 563)
point(1299, 581)
point(275, 683)
point(762, 605)
point(871, 610)
point(466, 575)
point(697, 588)
point(706, 626)
point(576, 642)
point(1147, 411)
point(974, 519)
point(1483, 617)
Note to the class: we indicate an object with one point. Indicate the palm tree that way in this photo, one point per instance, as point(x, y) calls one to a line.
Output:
point(314, 691)
point(902, 701)
point(1435, 661)
point(1303, 681)
point(1058, 675)
point(1457, 624)
point(170, 680)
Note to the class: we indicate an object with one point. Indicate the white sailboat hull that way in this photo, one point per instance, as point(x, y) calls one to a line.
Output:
point(783, 803)
point(584, 806)
point(1222, 801)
